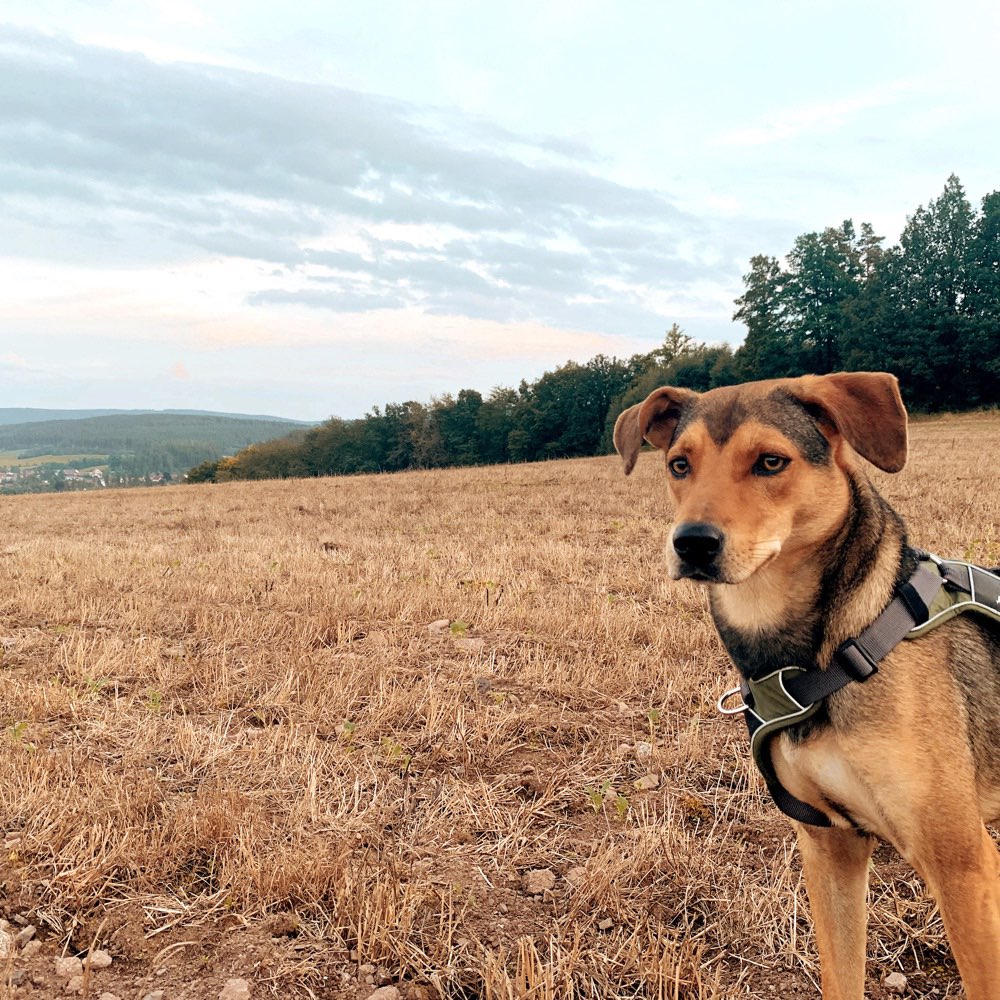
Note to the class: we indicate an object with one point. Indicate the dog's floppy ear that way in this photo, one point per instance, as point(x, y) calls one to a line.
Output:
point(654, 420)
point(866, 408)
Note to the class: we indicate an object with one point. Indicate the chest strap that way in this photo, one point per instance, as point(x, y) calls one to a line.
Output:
point(936, 592)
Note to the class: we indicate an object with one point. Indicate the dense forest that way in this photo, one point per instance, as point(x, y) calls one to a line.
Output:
point(927, 309)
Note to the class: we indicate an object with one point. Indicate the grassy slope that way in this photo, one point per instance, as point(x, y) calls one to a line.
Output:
point(223, 703)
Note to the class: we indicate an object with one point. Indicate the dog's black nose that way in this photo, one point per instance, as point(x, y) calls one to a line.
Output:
point(698, 543)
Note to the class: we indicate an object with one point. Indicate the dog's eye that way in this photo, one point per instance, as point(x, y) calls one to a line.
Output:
point(770, 465)
point(679, 467)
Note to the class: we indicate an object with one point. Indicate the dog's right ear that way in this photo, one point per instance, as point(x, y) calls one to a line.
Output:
point(653, 420)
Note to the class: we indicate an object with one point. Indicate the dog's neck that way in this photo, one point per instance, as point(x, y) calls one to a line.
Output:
point(797, 610)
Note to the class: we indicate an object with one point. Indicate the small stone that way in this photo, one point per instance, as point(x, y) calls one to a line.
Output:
point(16, 977)
point(74, 985)
point(24, 935)
point(643, 751)
point(439, 626)
point(648, 782)
point(108, 996)
point(366, 970)
point(69, 967)
point(31, 949)
point(577, 875)
point(470, 645)
point(154, 995)
point(606, 924)
point(895, 982)
point(385, 993)
point(6, 942)
point(503, 908)
point(235, 989)
point(99, 959)
point(539, 880)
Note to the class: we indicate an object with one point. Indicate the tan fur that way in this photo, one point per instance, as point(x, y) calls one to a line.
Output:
point(896, 755)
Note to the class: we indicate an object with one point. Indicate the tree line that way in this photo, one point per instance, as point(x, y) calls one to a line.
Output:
point(927, 309)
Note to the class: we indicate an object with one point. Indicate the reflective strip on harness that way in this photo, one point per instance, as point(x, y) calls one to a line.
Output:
point(937, 592)
point(967, 588)
point(774, 707)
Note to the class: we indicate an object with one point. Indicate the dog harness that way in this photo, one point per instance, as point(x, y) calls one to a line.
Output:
point(938, 591)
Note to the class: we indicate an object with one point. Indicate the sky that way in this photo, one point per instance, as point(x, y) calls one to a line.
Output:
point(313, 208)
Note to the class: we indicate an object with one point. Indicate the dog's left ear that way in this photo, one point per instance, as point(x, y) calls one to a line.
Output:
point(866, 408)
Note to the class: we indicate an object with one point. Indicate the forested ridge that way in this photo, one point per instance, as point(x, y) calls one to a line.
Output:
point(927, 309)
point(123, 432)
point(133, 444)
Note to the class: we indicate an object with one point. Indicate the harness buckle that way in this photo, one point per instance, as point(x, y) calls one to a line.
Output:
point(857, 664)
point(736, 709)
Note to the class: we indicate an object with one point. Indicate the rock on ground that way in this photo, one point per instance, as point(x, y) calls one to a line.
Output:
point(539, 880)
point(385, 993)
point(24, 935)
point(235, 989)
point(69, 967)
point(895, 982)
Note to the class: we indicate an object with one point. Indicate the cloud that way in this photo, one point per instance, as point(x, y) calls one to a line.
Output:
point(825, 116)
point(359, 202)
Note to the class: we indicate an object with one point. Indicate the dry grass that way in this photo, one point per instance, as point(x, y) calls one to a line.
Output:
point(225, 719)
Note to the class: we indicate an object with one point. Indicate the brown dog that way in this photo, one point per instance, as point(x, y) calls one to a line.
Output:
point(775, 511)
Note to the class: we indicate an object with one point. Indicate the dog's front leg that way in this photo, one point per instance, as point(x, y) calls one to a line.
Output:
point(962, 869)
point(835, 863)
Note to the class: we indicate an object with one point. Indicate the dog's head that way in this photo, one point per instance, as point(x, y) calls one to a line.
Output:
point(761, 470)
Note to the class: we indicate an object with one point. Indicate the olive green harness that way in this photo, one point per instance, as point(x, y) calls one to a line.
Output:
point(937, 592)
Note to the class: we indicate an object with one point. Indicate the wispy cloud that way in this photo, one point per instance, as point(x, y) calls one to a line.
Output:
point(825, 116)
point(150, 163)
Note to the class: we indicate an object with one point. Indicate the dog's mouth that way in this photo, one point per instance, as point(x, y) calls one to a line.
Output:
point(700, 574)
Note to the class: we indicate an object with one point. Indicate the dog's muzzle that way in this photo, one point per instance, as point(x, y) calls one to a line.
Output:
point(699, 546)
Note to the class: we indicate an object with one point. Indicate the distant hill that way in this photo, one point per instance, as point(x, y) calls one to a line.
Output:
point(129, 432)
point(31, 415)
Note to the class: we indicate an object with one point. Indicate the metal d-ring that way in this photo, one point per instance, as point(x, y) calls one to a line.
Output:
point(726, 695)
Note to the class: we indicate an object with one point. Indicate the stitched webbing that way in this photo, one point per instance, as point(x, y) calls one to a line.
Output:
point(854, 660)
point(874, 644)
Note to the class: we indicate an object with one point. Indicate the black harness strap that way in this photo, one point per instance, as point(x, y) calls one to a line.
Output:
point(854, 660)
point(857, 659)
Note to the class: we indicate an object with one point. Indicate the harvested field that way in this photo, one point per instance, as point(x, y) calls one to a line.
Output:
point(234, 747)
